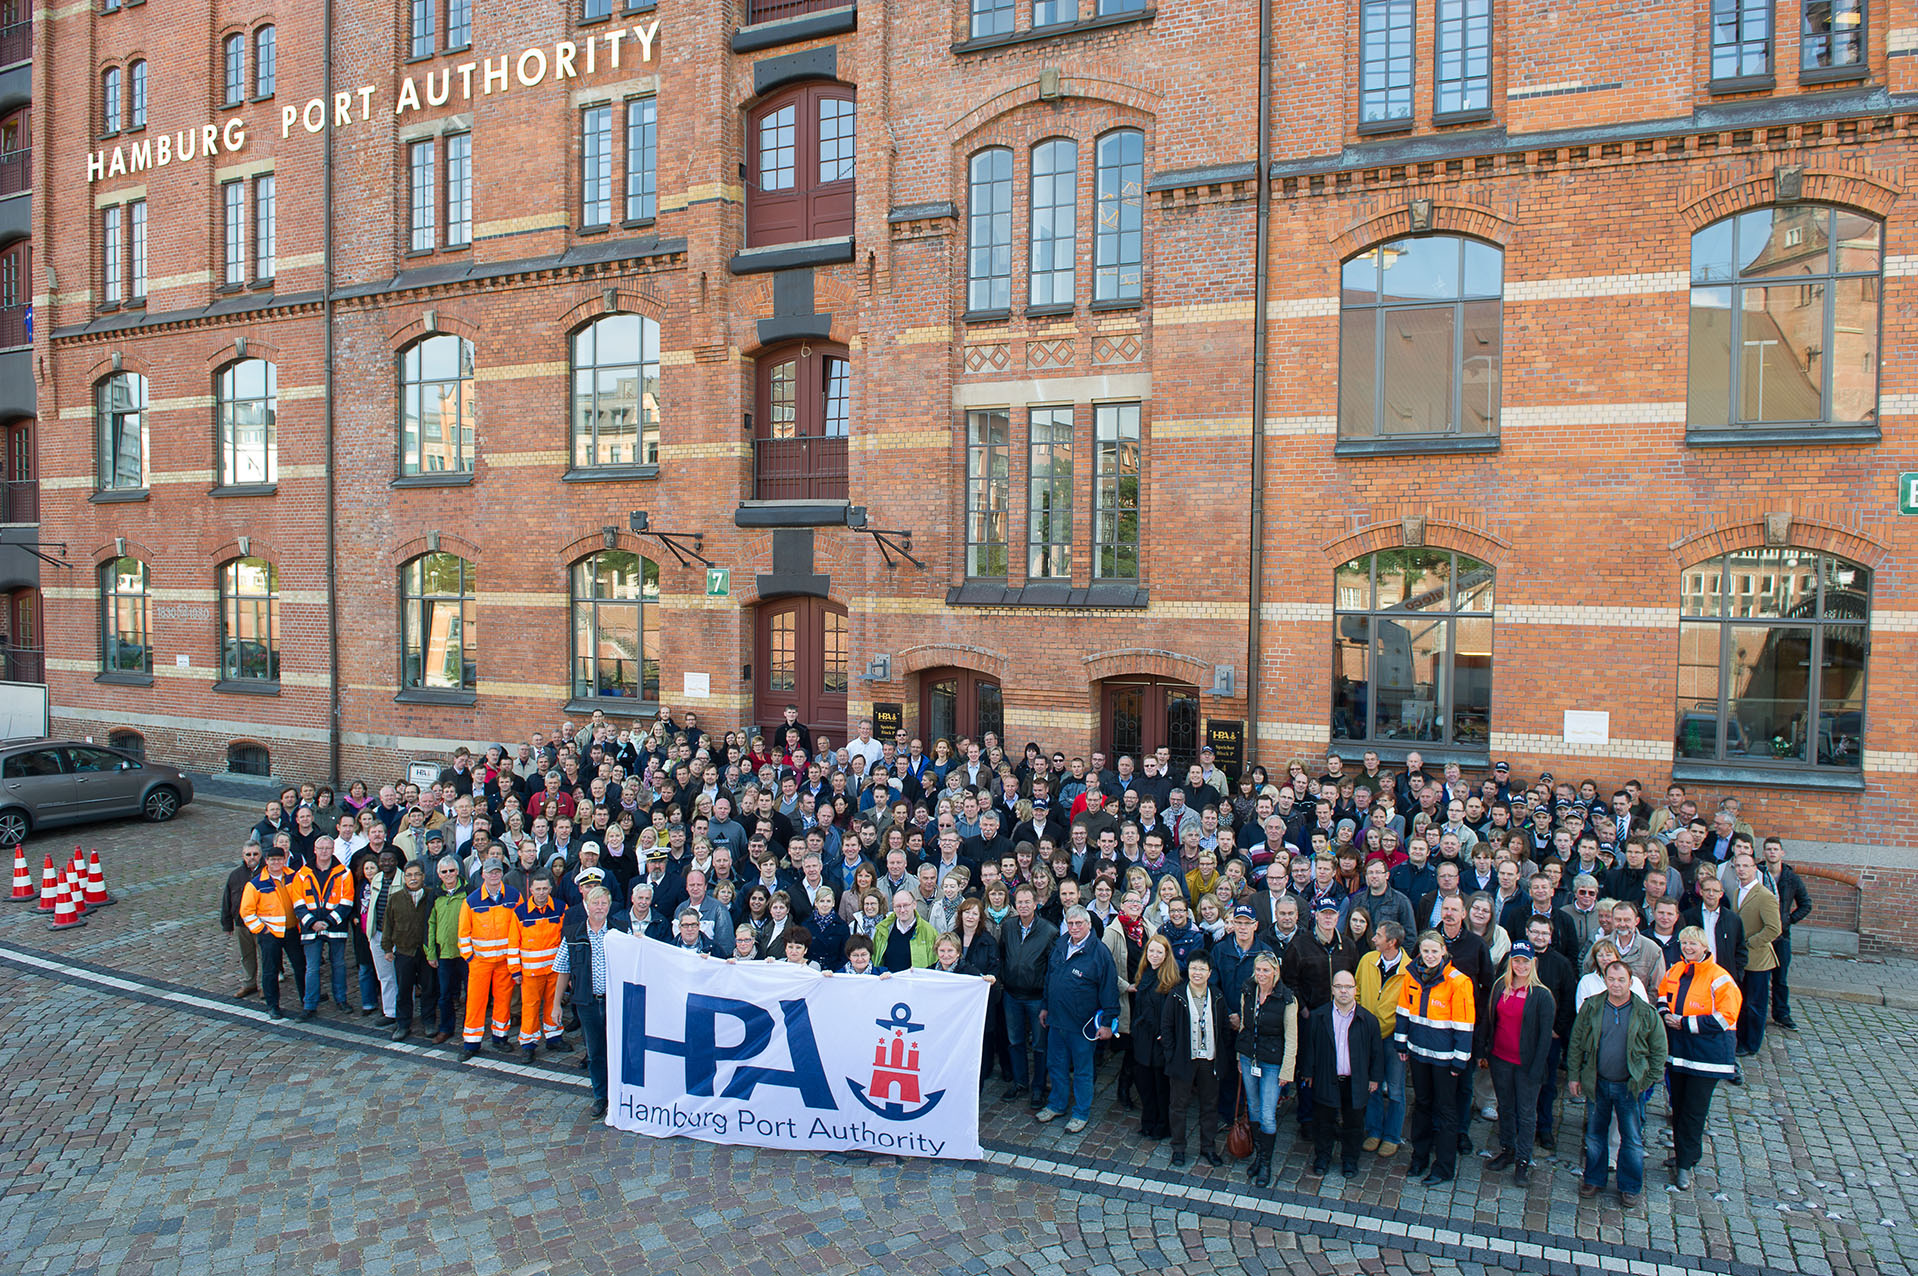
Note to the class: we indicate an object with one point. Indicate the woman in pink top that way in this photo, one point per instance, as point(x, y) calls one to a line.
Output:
point(1522, 1016)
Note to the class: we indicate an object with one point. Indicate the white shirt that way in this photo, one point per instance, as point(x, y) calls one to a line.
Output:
point(1708, 922)
point(871, 750)
point(1205, 1039)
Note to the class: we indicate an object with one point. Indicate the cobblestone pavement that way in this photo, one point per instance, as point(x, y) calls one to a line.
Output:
point(151, 1123)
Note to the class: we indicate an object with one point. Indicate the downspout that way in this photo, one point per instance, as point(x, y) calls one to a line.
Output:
point(1262, 251)
point(326, 309)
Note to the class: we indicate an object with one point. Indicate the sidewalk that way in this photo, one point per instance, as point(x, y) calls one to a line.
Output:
point(1875, 981)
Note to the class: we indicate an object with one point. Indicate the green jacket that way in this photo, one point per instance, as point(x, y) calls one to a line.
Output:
point(1645, 1048)
point(443, 927)
point(925, 942)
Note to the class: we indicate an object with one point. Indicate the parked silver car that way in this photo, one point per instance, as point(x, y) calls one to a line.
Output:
point(47, 783)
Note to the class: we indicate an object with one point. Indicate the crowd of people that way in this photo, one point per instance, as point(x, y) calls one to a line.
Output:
point(1384, 952)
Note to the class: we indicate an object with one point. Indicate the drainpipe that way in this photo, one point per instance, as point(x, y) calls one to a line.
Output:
point(326, 306)
point(1262, 252)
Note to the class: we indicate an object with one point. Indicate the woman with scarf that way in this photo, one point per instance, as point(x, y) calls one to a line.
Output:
point(829, 933)
point(998, 906)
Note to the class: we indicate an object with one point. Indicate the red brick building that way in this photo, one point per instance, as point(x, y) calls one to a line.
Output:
point(1563, 423)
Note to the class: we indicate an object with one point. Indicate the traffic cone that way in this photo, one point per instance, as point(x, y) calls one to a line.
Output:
point(77, 891)
point(96, 893)
point(79, 861)
point(22, 879)
point(65, 916)
point(49, 886)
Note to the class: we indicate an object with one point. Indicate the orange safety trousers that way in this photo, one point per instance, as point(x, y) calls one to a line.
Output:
point(536, 1010)
point(488, 976)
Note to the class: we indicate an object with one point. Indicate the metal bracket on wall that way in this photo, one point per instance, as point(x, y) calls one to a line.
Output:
point(38, 550)
point(889, 542)
point(673, 541)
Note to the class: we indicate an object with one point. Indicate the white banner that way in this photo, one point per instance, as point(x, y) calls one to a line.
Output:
point(769, 1054)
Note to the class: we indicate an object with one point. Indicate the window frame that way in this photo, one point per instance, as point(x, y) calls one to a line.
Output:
point(988, 493)
point(109, 426)
point(583, 679)
point(234, 201)
point(993, 11)
point(456, 190)
point(989, 231)
point(1049, 533)
point(466, 603)
point(232, 69)
point(421, 27)
point(456, 35)
point(1117, 250)
point(810, 208)
point(111, 107)
point(422, 194)
point(596, 166)
point(136, 116)
point(641, 159)
point(112, 249)
point(266, 61)
point(1109, 508)
point(265, 200)
point(226, 422)
point(1740, 12)
point(642, 461)
point(1053, 212)
point(413, 388)
point(136, 232)
point(1460, 26)
point(232, 669)
point(1400, 47)
point(111, 613)
point(1810, 72)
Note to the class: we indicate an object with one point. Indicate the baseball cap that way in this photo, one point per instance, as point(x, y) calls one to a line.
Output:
point(492, 866)
point(1522, 949)
point(1327, 906)
point(273, 851)
point(1243, 911)
point(1501, 766)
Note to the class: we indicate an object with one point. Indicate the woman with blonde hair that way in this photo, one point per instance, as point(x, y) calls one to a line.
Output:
point(1156, 977)
point(1523, 1015)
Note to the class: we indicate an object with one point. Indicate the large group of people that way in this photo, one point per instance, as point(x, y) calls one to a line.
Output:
point(1384, 952)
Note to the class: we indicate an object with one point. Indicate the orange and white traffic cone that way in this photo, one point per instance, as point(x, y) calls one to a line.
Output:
point(96, 893)
point(23, 892)
point(65, 916)
point(49, 887)
point(77, 890)
point(79, 861)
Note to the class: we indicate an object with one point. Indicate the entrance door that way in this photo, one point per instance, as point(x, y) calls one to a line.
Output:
point(956, 703)
point(19, 497)
point(1140, 714)
point(802, 657)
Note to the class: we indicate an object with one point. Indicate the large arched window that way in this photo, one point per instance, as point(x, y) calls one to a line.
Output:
point(249, 621)
point(1055, 223)
point(799, 165)
point(1421, 340)
point(1784, 325)
point(248, 404)
point(989, 230)
point(124, 643)
point(1771, 659)
point(616, 393)
point(439, 623)
point(121, 433)
point(438, 408)
point(1118, 245)
point(615, 643)
point(803, 397)
point(1412, 649)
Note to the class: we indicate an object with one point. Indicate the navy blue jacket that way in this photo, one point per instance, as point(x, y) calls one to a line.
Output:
point(1080, 986)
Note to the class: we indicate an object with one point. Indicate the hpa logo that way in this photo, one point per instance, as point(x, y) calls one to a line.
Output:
point(894, 1093)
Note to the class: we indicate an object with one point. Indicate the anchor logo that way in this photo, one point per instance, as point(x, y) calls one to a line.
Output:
point(895, 1071)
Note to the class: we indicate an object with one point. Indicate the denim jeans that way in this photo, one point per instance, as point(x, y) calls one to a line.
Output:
point(1615, 1099)
point(1027, 1040)
point(1261, 1093)
point(335, 950)
point(1070, 1061)
point(1385, 1110)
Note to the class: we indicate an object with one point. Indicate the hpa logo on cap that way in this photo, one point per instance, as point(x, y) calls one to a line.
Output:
point(895, 1071)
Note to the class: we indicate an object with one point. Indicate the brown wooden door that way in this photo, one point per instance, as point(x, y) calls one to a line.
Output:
point(957, 704)
point(803, 658)
point(1140, 714)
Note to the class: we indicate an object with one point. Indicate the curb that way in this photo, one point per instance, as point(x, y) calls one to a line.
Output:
point(1895, 999)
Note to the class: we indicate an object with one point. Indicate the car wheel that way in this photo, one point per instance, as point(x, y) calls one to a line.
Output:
point(14, 827)
point(161, 805)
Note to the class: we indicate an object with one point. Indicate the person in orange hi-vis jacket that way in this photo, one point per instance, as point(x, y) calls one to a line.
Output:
point(537, 921)
point(266, 909)
point(486, 933)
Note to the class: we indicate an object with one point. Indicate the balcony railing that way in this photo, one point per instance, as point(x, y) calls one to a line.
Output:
point(20, 501)
point(801, 469)
point(14, 329)
point(16, 42)
point(23, 664)
point(16, 170)
point(758, 11)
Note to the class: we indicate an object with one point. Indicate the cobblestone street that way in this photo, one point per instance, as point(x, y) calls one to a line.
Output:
point(152, 1123)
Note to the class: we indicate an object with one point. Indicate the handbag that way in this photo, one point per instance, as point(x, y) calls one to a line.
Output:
point(1238, 1143)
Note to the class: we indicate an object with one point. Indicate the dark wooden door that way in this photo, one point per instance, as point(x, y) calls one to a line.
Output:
point(957, 704)
point(803, 658)
point(1140, 714)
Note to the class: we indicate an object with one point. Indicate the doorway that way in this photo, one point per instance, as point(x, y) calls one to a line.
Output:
point(1140, 714)
point(955, 703)
point(802, 656)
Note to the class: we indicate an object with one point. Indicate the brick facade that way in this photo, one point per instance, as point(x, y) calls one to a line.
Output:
point(1604, 149)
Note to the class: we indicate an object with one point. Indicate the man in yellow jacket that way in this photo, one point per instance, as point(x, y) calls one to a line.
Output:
point(266, 909)
point(1381, 976)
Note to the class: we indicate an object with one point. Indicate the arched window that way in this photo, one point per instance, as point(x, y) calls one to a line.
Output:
point(137, 94)
point(110, 100)
point(1784, 325)
point(1771, 659)
point(437, 406)
point(799, 165)
point(248, 403)
point(615, 645)
point(1055, 223)
point(121, 436)
point(244, 757)
point(439, 623)
point(1421, 340)
point(989, 230)
point(265, 61)
point(129, 742)
point(1412, 649)
point(1118, 246)
point(616, 393)
point(249, 621)
point(233, 69)
point(803, 413)
point(123, 617)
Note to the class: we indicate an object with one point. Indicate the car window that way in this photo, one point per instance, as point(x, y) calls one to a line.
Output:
point(31, 763)
point(86, 760)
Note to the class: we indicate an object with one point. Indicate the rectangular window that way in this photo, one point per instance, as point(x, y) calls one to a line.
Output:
point(459, 190)
point(1047, 13)
point(992, 17)
point(1464, 56)
point(265, 62)
point(110, 100)
point(235, 58)
point(110, 250)
point(422, 29)
point(1115, 503)
point(1741, 39)
point(1049, 495)
point(137, 94)
point(233, 204)
point(596, 166)
point(989, 231)
point(988, 491)
point(263, 227)
point(1385, 61)
point(1118, 248)
point(1834, 35)
point(137, 258)
point(594, 10)
point(642, 154)
point(1055, 229)
point(419, 185)
point(459, 23)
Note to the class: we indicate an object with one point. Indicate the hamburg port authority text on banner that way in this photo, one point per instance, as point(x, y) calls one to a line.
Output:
point(768, 1054)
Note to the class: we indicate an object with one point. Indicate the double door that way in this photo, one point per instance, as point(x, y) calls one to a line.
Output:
point(802, 657)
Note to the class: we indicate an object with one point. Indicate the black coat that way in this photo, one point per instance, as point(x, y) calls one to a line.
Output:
point(1176, 1032)
point(1534, 1033)
point(1308, 966)
point(1148, 1025)
point(1555, 970)
point(1262, 1027)
point(1731, 938)
point(1318, 1060)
